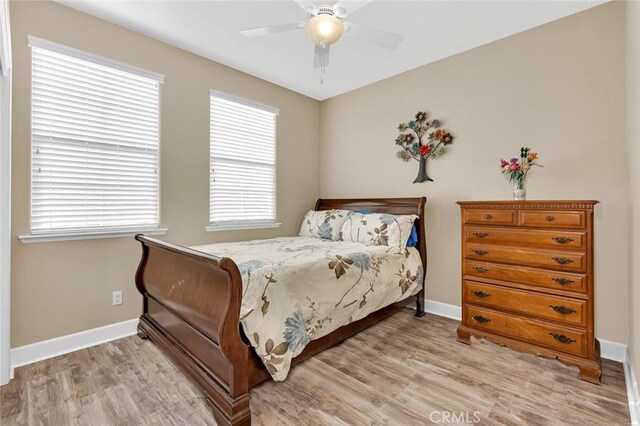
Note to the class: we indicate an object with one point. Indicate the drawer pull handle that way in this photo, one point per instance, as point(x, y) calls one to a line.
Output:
point(480, 252)
point(549, 218)
point(562, 240)
point(563, 281)
point(562, 338)
point(562, 260)
point(562, 310)
point(481, 294)
point(488, 217)
point(480, 269)
point(480, 234)
point(480, 319)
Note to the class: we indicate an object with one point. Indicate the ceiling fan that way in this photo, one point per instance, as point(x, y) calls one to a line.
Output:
point(324, 26)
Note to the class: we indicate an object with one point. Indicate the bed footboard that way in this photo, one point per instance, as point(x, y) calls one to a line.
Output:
point(191, 308)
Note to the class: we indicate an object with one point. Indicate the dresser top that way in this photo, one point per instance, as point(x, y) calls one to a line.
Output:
point(531, 204)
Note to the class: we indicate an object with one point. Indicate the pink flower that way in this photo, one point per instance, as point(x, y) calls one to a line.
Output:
point(503, 164)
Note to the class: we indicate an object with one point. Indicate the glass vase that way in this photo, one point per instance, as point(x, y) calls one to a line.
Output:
point(519, 191)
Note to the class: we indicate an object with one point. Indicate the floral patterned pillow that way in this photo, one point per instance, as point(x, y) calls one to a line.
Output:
point(325, 224)
point(378, 229)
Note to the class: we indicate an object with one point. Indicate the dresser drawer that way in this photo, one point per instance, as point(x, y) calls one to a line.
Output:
point(530, 276)
point(553, 219)
point(554, 336)
point(556, 308)
point(526, 237)
point(564, 261)
point(496, 217)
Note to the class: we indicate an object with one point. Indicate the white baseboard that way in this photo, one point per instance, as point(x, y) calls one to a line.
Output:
point(631, 380)
point(443, 309)
point(613, 350)
point(39, 351)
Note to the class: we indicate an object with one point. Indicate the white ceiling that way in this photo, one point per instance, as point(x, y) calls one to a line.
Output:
point(432, 30)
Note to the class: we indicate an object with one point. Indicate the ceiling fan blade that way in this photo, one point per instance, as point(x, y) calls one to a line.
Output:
point(321, 56)
point(262, 31)
point(372, 35)
point(307, 5)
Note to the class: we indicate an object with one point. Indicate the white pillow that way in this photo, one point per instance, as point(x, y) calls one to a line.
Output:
point(378, 229)
point(325, 224)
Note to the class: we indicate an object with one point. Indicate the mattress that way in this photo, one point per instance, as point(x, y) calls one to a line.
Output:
point(297, 289)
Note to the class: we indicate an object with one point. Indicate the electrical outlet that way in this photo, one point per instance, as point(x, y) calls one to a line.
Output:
point(116, 298)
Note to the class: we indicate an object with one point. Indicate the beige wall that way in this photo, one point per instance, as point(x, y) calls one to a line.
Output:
point(633, 137)
point(558, 88)
point(65, 287)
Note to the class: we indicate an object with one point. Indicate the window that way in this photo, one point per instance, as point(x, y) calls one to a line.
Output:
point(95, 143)
point(243, 164)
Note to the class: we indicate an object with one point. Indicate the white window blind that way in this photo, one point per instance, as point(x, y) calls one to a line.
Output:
point(243, 162)
point(95, 142)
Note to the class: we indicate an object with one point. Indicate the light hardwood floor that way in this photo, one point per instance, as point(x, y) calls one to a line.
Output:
point(402, 371)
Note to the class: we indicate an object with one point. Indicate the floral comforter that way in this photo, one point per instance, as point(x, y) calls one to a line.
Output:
point(297, 289)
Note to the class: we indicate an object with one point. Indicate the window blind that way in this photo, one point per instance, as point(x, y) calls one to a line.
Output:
point(95, 144)
point(243, 161)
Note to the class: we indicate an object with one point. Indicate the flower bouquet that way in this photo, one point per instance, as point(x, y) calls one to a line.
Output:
point(517, 169)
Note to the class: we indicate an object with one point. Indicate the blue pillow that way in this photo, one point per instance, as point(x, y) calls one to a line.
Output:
point(413, 238)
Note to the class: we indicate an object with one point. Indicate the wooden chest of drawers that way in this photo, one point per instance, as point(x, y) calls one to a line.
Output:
point(527, 278)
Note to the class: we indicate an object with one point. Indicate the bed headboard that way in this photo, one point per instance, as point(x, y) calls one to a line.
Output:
point(398, 206)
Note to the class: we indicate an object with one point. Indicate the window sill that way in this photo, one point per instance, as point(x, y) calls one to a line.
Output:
point(241, 226)
point(90, 235)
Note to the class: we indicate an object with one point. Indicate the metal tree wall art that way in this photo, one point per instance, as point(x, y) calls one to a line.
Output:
point(421, 139)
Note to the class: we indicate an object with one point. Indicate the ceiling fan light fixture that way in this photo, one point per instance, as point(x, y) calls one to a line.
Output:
point(324, 28)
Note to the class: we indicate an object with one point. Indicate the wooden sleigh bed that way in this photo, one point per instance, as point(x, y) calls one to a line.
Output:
point(191, 309)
